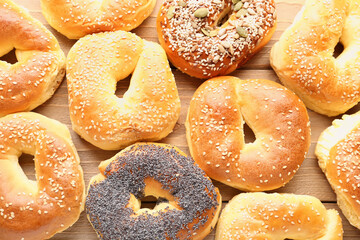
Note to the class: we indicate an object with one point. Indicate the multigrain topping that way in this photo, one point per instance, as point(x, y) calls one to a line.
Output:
point(107, 200)
point(189, 30)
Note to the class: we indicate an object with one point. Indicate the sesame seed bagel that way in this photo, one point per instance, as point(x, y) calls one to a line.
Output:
point(148, 110)
point(303, 58)
point(188, 203)
point(34, 210)
point(199, 41)
point(339, 158)
point(214, 131)
point(278, 216)
point(41, 63)
point(77, 18)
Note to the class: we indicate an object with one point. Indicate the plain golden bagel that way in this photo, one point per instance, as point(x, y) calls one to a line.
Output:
point(188, 203)
point(303, 57)
point(34, 210)
point(41, 63)
point(208, 38)
point(339, 158)
point(278, 216)
point(148, 110)
point(214, 130)
point(77, 18)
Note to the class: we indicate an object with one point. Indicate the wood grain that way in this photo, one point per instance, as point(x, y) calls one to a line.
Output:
point(308, 180)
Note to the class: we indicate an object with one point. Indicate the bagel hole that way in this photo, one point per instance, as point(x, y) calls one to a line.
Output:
point(224, 16)
point(122, 86)
point(150, 202)
point(26, 162)
point(339, 48)
point(249, 134)
point(223, 20)
point(10, 57)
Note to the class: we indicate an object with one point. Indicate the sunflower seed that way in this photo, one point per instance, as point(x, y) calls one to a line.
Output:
point(221, 48)
point(223, 36)
point(221, 31)
point(225, 44)
point(231, 50)
point(213, 33)
point(251, 11)
point(205, 32)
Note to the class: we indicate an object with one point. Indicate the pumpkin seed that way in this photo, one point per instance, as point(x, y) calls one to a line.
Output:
point(170, 12)
point(241, 13)
point(201, 12)
point(242, 32)
point(238, 6)
point(235, 1)
point(181, 3)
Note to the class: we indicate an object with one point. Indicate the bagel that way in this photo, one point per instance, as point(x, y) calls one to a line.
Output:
point(337, 151)
point(41, 63)
point(189, 203)
point(214, 132)
point(200, 45)
point(278, 216)
point(148, 110)
point(77, 18)
point(34, 210)
point(303, 57)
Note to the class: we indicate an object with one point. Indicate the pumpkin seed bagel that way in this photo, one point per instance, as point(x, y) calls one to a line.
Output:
point(207, 38)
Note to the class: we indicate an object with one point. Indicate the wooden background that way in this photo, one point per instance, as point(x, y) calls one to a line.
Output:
point(308, 180)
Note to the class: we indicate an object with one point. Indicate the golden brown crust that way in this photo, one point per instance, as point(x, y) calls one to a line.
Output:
point(201, 48)
point(77, 18)
point(41, 63)
point(214, 131)
point(163, 171)
point(38, 209)
point(303, 57)
point(278, 216)
point(339, 158)
point(148, 110)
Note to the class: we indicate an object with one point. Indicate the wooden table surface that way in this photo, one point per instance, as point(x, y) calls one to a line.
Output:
point(308, 180)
